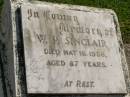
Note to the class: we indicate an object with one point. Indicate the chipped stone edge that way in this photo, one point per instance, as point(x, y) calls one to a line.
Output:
point(72, 7)
point(123, 56)
point(97, 10)
point(15, 5)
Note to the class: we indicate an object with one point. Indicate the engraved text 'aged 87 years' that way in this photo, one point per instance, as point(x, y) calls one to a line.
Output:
point(71, 51)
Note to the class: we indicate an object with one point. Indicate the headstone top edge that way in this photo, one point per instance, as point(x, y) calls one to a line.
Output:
point(71, 7)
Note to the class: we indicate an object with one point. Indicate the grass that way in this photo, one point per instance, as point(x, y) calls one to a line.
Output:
point(121, 7)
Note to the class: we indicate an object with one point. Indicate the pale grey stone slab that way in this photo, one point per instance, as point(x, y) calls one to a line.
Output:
point(89, 36)
point(12, 56)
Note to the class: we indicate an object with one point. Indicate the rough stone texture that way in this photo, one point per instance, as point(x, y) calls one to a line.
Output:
point(6, 50)
point(1, 88)
point(127, 52)
point(50, 31)
point(12, 53)
point(13, 70)
point(1, 83)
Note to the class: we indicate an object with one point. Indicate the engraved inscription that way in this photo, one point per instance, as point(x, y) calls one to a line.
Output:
point(71, 51)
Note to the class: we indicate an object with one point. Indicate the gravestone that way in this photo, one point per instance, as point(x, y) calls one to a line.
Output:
point(62, 50)
point(71, 51)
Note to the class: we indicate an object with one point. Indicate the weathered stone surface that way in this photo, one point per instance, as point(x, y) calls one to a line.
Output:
point(127, 51)
point(72, 50)
point(6, 49)
point(12, 52)
point(9, 49)
point(1, 88)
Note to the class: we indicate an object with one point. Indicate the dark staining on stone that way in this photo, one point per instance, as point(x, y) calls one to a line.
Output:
point(3, 76)
point(20, 68)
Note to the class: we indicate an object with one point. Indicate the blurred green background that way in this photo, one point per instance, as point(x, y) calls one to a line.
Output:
point(1, 3)
point(121, 7)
